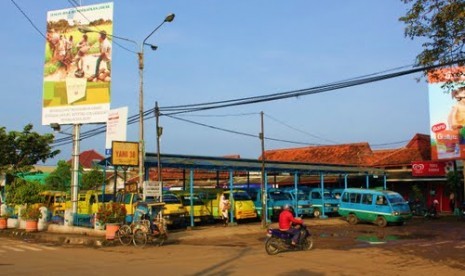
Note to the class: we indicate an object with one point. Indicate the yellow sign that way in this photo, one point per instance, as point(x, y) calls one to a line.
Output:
point(125, 153)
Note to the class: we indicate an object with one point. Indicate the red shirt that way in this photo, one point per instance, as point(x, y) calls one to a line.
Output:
point(286, 219)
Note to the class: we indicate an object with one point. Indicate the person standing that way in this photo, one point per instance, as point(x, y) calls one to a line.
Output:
point(452, 202)
point(224, 208)
point(105, 55)
point(83, 46)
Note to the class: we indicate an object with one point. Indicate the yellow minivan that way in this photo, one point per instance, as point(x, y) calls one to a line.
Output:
point(55, 202)
point(199, 211)
point(242, 205)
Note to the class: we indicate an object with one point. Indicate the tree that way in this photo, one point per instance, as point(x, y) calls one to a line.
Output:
point(23, 192)
point(92, 179)
point(21, 150)
point(441, 24)
point(60, 178)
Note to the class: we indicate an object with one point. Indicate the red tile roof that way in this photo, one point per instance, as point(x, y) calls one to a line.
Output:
point(86, 158)
point(359, 154)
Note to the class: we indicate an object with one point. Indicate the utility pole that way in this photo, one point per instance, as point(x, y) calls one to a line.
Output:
point(159, 133)
point(262, 184)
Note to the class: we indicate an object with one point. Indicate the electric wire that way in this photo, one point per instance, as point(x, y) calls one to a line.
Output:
point(28, 19)
point(299, 130)
point(283, 95)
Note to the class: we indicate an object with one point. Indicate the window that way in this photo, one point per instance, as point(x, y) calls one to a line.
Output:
point(355, 197)
point(367, 199)
point(381, 200)
point(316, 195)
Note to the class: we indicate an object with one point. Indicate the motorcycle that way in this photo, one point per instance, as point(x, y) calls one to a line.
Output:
point(431, 213)
point(279, 241)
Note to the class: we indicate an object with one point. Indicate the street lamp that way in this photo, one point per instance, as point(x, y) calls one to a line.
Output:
point(140, 55)
point(168, 18)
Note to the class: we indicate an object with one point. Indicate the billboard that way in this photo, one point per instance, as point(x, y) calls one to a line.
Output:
point(446, 88)
point(77, 68)
point(117, 121)
point(125, 153)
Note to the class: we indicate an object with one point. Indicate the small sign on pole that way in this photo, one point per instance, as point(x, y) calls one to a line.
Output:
point(151, 189)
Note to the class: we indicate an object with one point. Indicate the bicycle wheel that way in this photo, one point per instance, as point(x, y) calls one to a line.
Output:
point(140, 238)
point(124, 234)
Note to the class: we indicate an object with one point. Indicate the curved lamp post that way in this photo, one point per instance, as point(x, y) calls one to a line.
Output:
point(140, 55)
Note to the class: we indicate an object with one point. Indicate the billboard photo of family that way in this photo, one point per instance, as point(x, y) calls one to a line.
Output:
point(77, 68)
point(447, 113)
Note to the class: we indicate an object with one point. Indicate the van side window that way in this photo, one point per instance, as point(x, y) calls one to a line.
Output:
point(381, 200)
point(355, 197)
point(367, 199)
point(345, 197)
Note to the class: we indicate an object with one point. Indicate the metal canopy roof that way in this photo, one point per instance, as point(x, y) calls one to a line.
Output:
point(251, 165)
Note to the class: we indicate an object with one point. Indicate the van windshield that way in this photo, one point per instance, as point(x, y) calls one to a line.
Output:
point(186, 200)
point(241, 196)
point(280, 196)
point(395, 199)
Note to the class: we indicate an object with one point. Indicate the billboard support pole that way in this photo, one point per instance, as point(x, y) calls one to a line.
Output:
point(75, 172)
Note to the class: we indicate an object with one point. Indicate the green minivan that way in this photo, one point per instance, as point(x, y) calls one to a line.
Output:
point(375, 206)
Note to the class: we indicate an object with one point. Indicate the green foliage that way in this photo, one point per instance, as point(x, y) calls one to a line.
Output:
point(23, 192)
point(21, 150)
point(453, 183)
point(92, 179)
point(441, 25)
point(60, 178)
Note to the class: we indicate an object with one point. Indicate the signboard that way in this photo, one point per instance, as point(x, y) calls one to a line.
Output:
point(446, 88)
point(152, 189)
point(77, 68)
point(116, 126)
point(431, 168)
point(125, 153)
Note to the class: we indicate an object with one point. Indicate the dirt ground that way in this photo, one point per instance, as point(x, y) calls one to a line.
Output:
point(421, 245)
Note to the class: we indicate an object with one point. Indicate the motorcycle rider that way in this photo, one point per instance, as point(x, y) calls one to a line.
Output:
point(286, 219)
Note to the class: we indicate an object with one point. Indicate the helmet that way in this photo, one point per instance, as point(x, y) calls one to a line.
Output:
point(435, 201)
point(286, 207)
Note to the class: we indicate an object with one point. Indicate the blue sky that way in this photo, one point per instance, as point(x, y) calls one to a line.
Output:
point(220, 50)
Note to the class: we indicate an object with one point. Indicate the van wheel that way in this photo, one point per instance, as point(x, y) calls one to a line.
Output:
point(381, 221)
point(316, 213)
point(352, 219)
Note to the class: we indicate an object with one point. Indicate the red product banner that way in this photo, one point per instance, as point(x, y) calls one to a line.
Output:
point(425, 168)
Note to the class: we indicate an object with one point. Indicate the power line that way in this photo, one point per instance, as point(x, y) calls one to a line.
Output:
point(299, 130)
point(277, 96)
point(28, 19)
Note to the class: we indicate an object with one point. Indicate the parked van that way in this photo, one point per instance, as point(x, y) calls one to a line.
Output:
point(199, 211)
point(55, 202)
point(242, 205)
point(304, 206)
point(376, 206)
point(320, 203)
point(276, 199)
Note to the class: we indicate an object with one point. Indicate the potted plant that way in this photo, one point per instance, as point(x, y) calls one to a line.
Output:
point(32, 214)
point(112, 215)
point(3, 220)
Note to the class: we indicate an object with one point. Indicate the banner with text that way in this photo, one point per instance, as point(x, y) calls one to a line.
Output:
point(431, 168)
point(117, 122)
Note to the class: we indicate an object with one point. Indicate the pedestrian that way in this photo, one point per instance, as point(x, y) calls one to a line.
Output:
point(224, 207)
point(452, 202)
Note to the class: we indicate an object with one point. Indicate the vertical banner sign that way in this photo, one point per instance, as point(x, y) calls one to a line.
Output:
point(116, 127)
point(77, 69)
point(447, 113)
